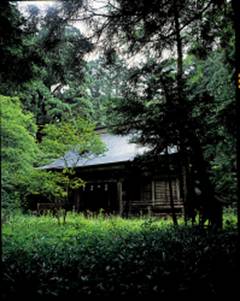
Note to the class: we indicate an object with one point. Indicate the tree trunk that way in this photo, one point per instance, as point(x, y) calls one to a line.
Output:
point(180, 89)
point(179, 51)
point(190, 203)
point(174, 217)
point(42, 120)
point(182, 184)
point(210, 208)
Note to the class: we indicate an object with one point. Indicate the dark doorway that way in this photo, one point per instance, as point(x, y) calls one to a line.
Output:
point(96, 196)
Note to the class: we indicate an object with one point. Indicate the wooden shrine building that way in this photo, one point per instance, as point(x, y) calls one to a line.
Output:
point(124, 180)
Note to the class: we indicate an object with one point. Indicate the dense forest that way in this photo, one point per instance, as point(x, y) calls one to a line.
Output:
point(163, 71)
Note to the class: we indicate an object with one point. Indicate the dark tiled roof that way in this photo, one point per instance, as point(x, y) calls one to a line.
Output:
point(119, 149)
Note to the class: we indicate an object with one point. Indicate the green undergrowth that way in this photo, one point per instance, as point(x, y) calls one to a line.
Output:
point(102, 256)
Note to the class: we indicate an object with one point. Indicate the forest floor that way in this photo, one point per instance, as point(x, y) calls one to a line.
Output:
point(101, 256)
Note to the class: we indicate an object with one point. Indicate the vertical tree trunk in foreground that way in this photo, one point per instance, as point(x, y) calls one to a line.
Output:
point(174, 217)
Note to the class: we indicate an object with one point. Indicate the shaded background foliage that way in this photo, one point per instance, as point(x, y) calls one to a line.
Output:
point(164, 100)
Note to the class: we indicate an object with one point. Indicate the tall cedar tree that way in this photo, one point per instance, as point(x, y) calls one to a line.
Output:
point(157, 26)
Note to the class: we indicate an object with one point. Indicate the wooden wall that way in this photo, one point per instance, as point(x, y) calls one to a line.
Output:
point(130, 191)
point(155, 197)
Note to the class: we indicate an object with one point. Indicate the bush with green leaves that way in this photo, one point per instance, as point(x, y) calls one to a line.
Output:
point(21, 154)
point(19, 150)
point(115, 257)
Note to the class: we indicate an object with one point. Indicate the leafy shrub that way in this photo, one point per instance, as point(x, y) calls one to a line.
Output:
point(113, 256)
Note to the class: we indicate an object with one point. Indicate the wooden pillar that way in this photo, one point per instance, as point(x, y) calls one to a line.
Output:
point(119, 197)
point(77, 200)
point(178, 195)
point(153, 193)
